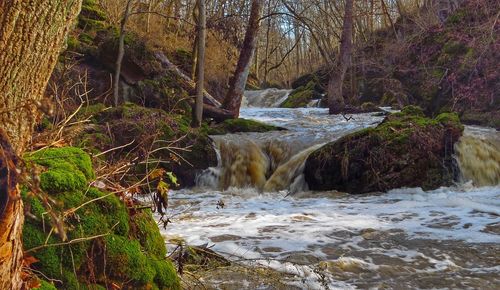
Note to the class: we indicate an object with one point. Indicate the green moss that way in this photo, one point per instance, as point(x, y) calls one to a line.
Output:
point(44, 285)
point(125, 260)
point(449, 119)
point(301, 96)
point(49, 261)
point(33, 203)
point(68, 171)
point(166, 277)
point(240, 125)
point(114, 210)
point(86, 38)
point(412, 111)
point(91, 17)
point(147, 233)
point(72, 157)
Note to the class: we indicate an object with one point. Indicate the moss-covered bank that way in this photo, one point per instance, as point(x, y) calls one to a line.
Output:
point(405, 150)
point(146, 130)
point(106, 244)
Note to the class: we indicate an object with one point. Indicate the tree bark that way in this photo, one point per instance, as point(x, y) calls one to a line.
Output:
point(121, 53)
point(336, 103)
point(32, 33)
point(233, 97)
point(200, 65)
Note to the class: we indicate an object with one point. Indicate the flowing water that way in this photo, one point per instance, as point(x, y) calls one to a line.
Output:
point(255, 208)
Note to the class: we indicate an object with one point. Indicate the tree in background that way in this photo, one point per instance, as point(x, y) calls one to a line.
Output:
point(200, 64)
point(29, 48)
point(121, 53)
point(336, 102)
point(232, 101)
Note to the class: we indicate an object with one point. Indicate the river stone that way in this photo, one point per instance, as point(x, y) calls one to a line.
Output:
point(405, 150)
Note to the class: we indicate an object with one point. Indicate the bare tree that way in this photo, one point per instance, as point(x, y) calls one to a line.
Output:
point(29, 48)
point(200, 64)
point(336, 102)
point(233, 97)
point(121, 53)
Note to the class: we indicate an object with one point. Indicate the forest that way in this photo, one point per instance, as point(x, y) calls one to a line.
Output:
point(249, 144)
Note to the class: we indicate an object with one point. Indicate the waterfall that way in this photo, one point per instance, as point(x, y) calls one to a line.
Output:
point(479, 160)
point(268, 98)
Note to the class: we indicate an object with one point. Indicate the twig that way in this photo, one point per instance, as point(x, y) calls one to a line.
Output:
point(74, 241)
point(116, 148)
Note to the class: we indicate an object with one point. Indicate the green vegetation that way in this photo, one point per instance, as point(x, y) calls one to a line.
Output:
point(301, 96)
point(135, 251)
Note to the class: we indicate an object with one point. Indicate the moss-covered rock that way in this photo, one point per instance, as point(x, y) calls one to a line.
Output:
point(107, 248)
point(241, 125)
point(145, 230)
point(70, 169)
point(405, 150)
point(301, 96)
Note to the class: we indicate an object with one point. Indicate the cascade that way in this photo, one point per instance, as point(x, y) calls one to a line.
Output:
point(478, 156)
point(275, 161)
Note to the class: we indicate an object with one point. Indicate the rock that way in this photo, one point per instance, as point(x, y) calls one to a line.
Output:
point(115, 247)
point(301, 96)
point(405, 150)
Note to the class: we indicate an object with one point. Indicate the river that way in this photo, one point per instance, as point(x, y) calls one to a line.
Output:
point(255, 208)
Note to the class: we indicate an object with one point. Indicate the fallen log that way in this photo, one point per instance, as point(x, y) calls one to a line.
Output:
point(213, 112)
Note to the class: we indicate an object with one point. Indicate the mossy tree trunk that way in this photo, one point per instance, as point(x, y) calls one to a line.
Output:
point(32, 33)
point(232, 101)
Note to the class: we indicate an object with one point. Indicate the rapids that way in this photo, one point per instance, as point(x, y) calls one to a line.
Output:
point(255, 208)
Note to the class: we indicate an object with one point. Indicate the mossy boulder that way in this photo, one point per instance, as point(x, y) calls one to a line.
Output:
point(406, 150)
point(110, 248)
point(241, 125)
point(301, 96)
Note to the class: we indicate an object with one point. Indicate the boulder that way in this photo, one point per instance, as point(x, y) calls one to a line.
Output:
point(405, 150)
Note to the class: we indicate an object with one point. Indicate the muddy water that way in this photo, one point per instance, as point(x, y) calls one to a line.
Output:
point(255, 209)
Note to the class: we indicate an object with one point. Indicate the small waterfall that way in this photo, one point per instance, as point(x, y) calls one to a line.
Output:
point(243, 163)
point(268, 98)
point(314, 103)
point(290, 175)
point(479, 160)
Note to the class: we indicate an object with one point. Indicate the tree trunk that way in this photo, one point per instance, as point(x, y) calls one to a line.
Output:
point(233, 98)
point(121, 53)
point(200, 65)
point(32, 33)
point(336, 102)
